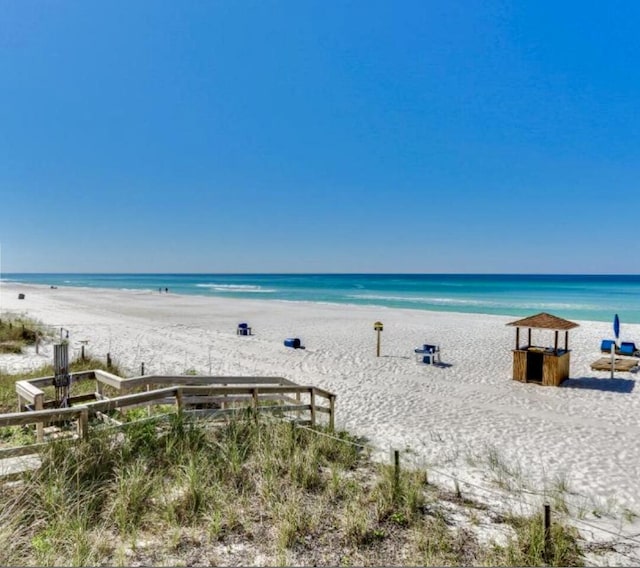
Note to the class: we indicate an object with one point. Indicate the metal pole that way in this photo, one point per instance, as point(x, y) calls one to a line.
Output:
point(613, 358)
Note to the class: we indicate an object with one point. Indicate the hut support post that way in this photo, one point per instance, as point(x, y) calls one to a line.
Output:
point(566, 341)
point(555, 347)
point(529, 337)
point(517, 338)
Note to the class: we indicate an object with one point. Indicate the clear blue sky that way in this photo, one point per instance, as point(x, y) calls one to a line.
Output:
point(329, 136)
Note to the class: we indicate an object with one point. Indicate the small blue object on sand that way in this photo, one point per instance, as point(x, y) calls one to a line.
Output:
point(293, 342)
point(607, 345)
point(243, 329)
point(429, 354)
point(628, 348)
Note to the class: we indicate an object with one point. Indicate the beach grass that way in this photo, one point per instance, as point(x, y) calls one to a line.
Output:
point(245, 491)
point(18, 331)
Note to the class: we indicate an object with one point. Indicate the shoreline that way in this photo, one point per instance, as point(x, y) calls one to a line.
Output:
point(277, 301)
point(584, 435)
point(573, 297)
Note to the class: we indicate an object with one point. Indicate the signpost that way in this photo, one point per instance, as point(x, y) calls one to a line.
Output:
point(377, 326)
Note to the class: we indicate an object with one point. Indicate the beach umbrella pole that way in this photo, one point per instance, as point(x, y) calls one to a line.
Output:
point(613, 359)
point(616, 333)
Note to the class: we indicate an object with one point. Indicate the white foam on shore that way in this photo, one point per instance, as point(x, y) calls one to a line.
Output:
point(248, 288)
point(585, 435)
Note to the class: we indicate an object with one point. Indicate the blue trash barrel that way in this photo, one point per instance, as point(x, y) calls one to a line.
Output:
point(292, 342)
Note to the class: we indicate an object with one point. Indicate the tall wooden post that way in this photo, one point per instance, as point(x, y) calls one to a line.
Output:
point(378, 326)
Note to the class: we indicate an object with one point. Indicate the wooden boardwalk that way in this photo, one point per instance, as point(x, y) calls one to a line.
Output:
point(200, 395)
point(621, 364)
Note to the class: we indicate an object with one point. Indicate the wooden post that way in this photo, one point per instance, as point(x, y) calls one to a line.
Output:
point(529, 336)
point(396, 464)
point(142, 369)
point(332, 410)
point(82, 352)
point(312, 393)
point(83, 424)
point(254, 395)
point(178, 395)
point(378, 326)
point(37, 342)
point(396, 472)
point(547, 533)
point(555, 347)
point(517, 338)
point(108, 360)
point(38, 404)
point(566, 341)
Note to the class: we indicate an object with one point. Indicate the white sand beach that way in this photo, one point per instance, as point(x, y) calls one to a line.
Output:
point(584, 436)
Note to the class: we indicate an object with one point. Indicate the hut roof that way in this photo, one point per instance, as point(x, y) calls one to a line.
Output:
point(545, 321)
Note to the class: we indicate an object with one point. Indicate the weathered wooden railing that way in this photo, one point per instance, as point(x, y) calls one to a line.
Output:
point(230, 395)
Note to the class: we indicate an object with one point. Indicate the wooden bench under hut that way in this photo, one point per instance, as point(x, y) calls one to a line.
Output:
point(548, 366)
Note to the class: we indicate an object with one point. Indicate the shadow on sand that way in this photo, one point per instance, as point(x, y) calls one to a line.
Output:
point(608, 385)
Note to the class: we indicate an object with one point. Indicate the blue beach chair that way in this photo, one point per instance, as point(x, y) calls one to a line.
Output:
point(607, 345)
point(428, 354)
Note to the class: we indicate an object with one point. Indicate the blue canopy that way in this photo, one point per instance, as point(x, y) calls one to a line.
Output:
point(616, 327)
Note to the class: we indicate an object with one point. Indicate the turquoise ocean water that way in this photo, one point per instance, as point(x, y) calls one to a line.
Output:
point(588, 297)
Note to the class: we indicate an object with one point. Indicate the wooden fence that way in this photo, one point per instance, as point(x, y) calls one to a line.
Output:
point(224, 396)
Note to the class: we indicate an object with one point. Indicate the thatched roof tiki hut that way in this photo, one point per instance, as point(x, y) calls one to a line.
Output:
point(547, 366)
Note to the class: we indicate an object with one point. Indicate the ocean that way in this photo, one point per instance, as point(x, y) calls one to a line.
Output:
point(581, 297)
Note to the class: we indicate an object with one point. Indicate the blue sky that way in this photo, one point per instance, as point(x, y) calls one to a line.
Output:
point(329, 136)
